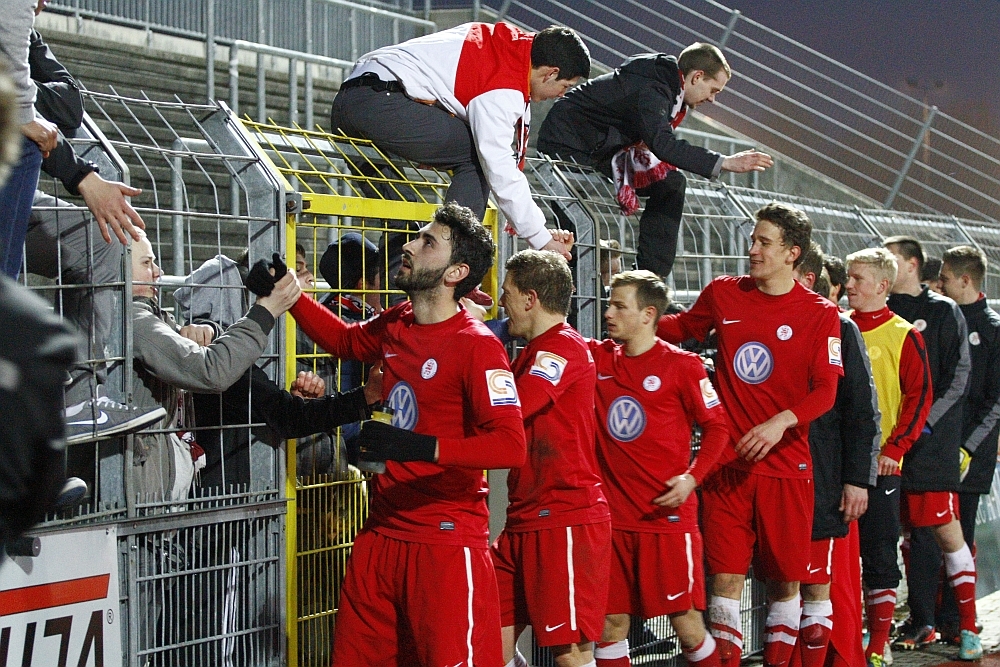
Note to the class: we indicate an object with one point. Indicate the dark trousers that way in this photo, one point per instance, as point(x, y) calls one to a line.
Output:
point(660, 223)
point(418, 132)
point(924, 574)
point(879, 532)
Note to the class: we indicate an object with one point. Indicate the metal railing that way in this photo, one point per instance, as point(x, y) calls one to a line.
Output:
point(337, 29)
point(854, 129)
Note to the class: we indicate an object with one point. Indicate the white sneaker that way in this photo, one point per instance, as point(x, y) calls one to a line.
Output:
point(100, 418)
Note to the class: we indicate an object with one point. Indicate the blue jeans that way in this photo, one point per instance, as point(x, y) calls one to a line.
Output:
point(15, 206)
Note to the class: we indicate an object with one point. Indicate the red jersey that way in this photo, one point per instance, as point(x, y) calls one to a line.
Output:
point(775, 353)
point(646, 409)
point(559, 485)
point(450, 380)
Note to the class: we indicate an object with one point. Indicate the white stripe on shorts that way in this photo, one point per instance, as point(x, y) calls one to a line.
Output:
point(572, 577)
point(829, 559)
point(690, 557)
point(468, 579)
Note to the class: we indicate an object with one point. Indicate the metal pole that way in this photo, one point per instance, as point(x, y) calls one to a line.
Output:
point(897, 186)
point(210, 47)
point(504, 8)
point(293, 91)
point(261, 89)
point(177, 204)
point(234, 78)
point(729, 28)
point(308, 67)
point(354, 34)
point(475, 10)
point(427, 10)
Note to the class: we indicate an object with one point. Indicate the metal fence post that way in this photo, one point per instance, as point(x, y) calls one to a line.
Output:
point(177, 204)
point(210, 47)
point(901, 177)
point(293, 91)
point(234, 78)
point(729, 28)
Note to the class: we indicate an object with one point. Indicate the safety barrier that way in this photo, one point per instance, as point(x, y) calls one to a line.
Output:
point(246, 570)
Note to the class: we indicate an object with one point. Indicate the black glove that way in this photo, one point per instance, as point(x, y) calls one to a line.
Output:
point(259, 279)
point(384, 442)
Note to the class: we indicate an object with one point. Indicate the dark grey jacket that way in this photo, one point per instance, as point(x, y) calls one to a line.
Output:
point(932, 463)
point(981, 415)
point(845, 441)
point(635, 102)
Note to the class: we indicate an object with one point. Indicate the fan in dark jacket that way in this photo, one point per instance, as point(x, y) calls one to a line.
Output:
point(962, 273)
point(844, 444)
point(644, 100)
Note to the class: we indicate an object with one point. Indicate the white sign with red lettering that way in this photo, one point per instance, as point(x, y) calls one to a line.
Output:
point(61, 607)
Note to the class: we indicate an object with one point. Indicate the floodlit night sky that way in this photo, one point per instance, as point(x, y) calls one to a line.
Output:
point(949, 48)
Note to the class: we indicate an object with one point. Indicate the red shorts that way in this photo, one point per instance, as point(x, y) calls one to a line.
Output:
point(555, 580)
point(820, 562)
point(742, 510)
point(928, 508)
point(405, 603)
point(640, 585)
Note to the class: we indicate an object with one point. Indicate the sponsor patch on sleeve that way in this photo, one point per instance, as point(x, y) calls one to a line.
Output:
point(501, 387)
point(833, 349)
point(708, 393)
point(548, 366)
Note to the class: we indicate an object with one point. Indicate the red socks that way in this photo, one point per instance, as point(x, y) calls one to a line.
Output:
point(961, 571)
point(880, 604)
point(725, 625)
point(814, 632)
point(781, 631)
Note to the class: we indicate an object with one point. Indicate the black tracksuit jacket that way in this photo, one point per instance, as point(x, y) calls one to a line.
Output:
point(932, 463)
point(845, 441)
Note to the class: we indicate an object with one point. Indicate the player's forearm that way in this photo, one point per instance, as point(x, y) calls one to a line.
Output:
point(503, 446)
point(819, 400)
point(330, 332)
point(714, 440)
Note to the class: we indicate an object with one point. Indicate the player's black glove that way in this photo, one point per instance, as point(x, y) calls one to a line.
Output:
point(384, 442)
point(260, 281)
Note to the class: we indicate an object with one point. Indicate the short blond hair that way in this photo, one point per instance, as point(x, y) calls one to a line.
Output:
point(882, 262)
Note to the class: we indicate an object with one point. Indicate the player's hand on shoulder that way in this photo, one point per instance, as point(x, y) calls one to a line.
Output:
point(562, 242)
point(679, 488)
point(474, 309)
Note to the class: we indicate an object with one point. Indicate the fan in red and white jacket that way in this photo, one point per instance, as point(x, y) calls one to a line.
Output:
point(482, 74)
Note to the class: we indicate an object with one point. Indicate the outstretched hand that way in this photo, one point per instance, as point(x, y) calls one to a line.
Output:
point(751, 160)
point(308, 385)
point(106, 201)
point(264, 275)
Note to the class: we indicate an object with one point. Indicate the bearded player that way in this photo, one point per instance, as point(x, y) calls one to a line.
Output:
point(420, 587)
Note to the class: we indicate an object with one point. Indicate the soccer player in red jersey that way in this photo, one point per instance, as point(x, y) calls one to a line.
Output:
point(650, 394)
point(553, 556)
point(778, 364)
point(901, 371)
point(420, 587)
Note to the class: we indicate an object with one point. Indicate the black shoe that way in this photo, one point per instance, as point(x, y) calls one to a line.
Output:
point(915, 637)
point(101, 418)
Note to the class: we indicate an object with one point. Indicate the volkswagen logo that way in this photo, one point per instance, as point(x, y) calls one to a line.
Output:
point(626, 419)
point(404, 403)
point(753, 362)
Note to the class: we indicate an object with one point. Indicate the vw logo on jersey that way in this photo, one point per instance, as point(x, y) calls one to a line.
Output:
point(626, 419)
point(753, 362)
point(404, 404)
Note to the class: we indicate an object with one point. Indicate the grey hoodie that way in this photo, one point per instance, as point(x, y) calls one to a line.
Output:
point(15, 38)
point(165, 363)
